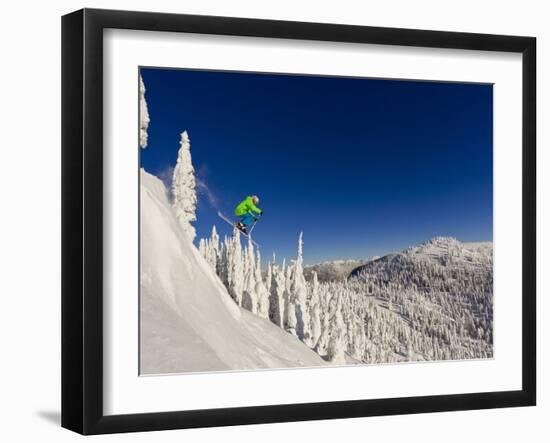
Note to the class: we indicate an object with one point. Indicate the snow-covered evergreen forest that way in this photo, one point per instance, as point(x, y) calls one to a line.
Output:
point(433, 301)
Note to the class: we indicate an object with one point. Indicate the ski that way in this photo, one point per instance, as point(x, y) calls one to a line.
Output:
point(232, 223)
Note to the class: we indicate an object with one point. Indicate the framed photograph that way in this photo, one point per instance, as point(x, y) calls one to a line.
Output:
point(269, 221)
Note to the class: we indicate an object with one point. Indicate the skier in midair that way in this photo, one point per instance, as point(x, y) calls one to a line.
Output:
point(247, 211)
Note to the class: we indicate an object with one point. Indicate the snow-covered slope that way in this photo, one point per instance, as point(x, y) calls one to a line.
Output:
point(188, 320)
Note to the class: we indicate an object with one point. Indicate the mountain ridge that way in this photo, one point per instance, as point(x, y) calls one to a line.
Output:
point(437, 252)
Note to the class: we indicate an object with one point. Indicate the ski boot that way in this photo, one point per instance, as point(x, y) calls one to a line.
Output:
point(241, 228)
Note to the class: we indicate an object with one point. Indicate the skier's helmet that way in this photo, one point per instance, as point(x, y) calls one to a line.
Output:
point(255, 199)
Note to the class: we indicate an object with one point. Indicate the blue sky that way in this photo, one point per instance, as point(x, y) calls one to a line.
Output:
point(362, 166)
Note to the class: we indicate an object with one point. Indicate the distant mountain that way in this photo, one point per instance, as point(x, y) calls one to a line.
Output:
point(441, 290)
point(441, 260)
point(336, 270)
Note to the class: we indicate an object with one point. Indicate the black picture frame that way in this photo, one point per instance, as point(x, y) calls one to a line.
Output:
point(82, 219)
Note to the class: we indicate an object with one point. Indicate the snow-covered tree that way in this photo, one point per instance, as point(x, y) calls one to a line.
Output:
point(289, 316)
point(235, 268)
point(322, 344)
point(261, 290)
point(143, 115)
point(250, 298)
point(183, 187)
point(336, 347)
point(276, 301)
point(214, 248)
point(269, 275)
point(299, 293)
point(315, 311)
point(210, 249)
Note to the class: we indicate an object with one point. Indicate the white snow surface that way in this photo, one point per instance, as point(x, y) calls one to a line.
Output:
point(188, 321)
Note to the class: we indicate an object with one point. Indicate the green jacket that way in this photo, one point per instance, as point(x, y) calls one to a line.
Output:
point(247, 206)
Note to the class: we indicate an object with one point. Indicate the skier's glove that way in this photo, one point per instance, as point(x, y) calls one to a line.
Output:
point(261, 212)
